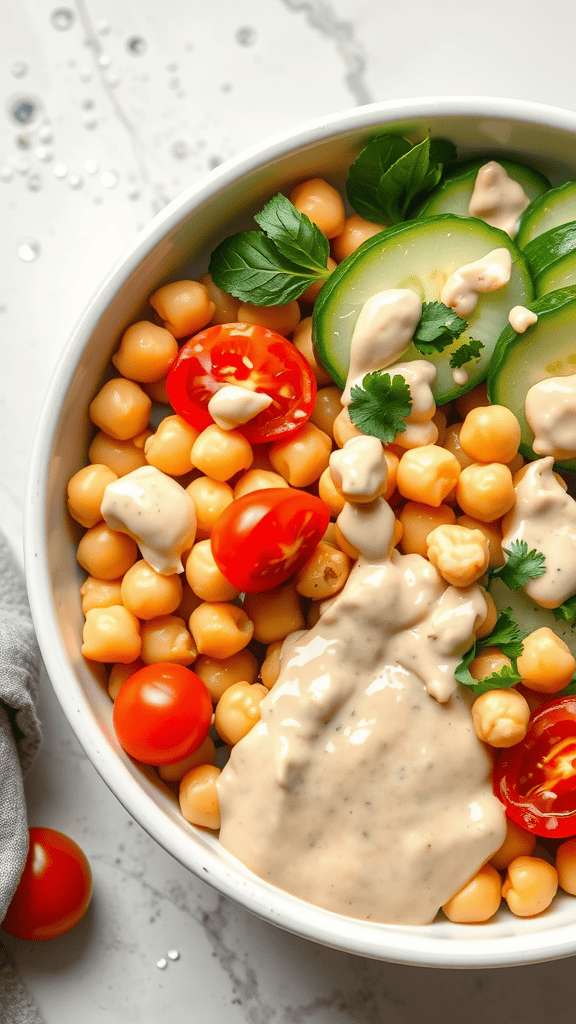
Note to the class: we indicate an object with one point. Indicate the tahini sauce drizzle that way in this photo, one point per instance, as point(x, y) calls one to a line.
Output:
point(231, 405)
point(383, 331)
point(464, 287)
point(497, 198)
point(357, 791)
point(550, 409)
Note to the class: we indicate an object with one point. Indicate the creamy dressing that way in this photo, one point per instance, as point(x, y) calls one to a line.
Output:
point(497, 198)
point(420, 430)
point(521, 318)
point(464, 287)
point(360, 469)
point(383, 331)
point(460, 376)
point(231, 405)
point(545, 517)
point(356, 790)
point(368, 527)
point(550, 409)
point(156, 512)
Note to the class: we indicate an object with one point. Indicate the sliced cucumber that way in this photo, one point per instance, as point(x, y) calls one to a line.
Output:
point(453, 195)
point(547, 349)
point(549, 211)
point(560, 274)
point(531, 616)
point(550, 246)
point(421, 255)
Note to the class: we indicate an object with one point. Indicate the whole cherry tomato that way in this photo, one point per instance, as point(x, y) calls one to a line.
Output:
point(55, 888)
point(536, 779)
point(250, 356)
point(264, 537)
point(162, 713)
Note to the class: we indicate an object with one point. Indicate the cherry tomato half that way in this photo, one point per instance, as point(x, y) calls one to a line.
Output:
point(54, 890)
point(536, 779)
point(252, 357)
point(162, 713)
point(264, 537)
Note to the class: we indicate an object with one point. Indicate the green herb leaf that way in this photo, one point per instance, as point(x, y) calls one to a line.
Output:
point(381, 405)
point(368, 170)
point(437, 328)
point(506, 635)
point(442, 151)
point(469, 350)
point(568, 691)
point(520, 566)
point(276, 265)
point(566, 612)
point(507, 677)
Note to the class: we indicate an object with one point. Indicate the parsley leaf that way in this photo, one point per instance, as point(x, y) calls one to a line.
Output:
point(381, 405)
point(506, 635)
point(521, 565)
point(275, 265)
point(507, 677)
point(566, 612)
point(469, 350)
point(437, 328)
point(390, 175)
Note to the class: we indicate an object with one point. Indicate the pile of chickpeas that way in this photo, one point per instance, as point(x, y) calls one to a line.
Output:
point(449, 499)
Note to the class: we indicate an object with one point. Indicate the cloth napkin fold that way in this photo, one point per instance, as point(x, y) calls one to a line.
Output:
point(19, 744)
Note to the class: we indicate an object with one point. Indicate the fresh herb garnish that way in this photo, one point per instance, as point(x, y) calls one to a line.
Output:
point(566, 612)
point(469, 350)
point(390, 175)
point(275, 265)
point(506, 635)
point(520, 566)
point(381, 405)
point(437, 328)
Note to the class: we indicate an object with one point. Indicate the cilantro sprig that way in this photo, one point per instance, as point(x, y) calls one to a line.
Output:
point(274, 265)
point(381, 405)
point(520, 566)
point(506, 635)
point(469, 350)
point(566, 612)
point(438, 327)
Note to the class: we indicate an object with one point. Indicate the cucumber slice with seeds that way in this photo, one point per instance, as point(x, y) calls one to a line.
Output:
point(552, 209)
point(421, 255)
point(454, 193)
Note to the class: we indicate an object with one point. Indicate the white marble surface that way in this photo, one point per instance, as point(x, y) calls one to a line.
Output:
point(129, 101)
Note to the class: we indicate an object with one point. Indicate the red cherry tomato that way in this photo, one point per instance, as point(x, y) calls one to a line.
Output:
point(264, 537)
point(54, 890)
point(162, 713)
point(252, 357)
point(536, 779)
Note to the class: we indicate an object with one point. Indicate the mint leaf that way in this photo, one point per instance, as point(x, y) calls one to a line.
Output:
point(469, 350)
point(566, 612)
point(367, 171)
point(520, 566)
point(381, 405)
point(442, 151)
point(437, 328)
point(276, 265)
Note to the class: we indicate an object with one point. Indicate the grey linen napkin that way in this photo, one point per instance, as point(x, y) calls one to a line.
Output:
point(19, 744)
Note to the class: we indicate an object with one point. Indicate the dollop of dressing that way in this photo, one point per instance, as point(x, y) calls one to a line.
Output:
point(357, 791)
point(360, 469)
point(545, 517)
point(550, 409)
point(231, 405)
point(383, 331)
point(420, 430)
point(156, 512)
point(521, 318)
point(464, 287)
point(497, 198)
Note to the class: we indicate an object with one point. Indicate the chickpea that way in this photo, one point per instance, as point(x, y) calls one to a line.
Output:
point(210, 497)
point(517, 843)
point(326, 408)
point(492, 532)
point(218, 674)
point(324, 574)
point(121, 409)
point(440, 421)
point(476, 901)
point(302, 459)
point(225, 305)
point(530, 886)
point(322, 203)
point(471, 400)
point(119, 673)
point(282, 319)
point(184, 306)
point(166, 638)
point(111, 634)
point(157, 391)
point(205, 577)
point(146, 352)
point(485, 627)
point(203, 755)
point(100, 593)
point(490, 660)
point(221, 454)
point(198, 796)
point(148, 594)
point(85, 492)
point(275, 613)
point(329, 494)
point(566, 865)
point(121, 457)
point(418, 521)
point(485, 491)
point(500, 717)
point(220, 629)
point(105, 553)
point(170, 447)
point(302, 340)
point(258, 480)
point(270, 667)
point(238, 710)
point(355, 231)
point(546, 663)
point(490, 434)
point(427, 474)
point(460, 555)
point(452, 444)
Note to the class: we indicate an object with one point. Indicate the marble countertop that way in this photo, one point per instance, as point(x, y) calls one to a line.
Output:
point(110, 108)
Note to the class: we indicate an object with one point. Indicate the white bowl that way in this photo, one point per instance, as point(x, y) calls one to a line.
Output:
point(182, 236)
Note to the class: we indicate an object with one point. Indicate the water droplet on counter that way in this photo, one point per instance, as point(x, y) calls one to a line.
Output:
point(104, 60)
point(112, 78)
point(88, 104)
point(226, 87)
point(180, 149)
point(134, 193)
point(6, 174)
point(34, 183)
point(246, 36)
point(29, 250)
point(19, 68)
point(43, 154)
point(136, 45)
point(45, 134)
point(24, 110)
point(162, 963)
point(173, 954)
point(91, 167)
point(60, 170)
point(109, 179)
point(174, 83)
point(62, 18)
point(75, 181)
